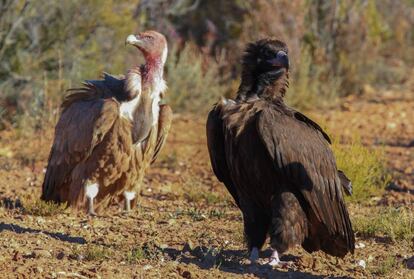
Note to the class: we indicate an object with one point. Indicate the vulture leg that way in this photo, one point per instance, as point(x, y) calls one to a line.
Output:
point(91, 192)
point(256, 226)
point(275, 261)
point(254, 255)
point(129, 196)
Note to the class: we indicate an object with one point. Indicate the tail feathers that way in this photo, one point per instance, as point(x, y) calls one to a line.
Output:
point(337, 244)
point(54, 184)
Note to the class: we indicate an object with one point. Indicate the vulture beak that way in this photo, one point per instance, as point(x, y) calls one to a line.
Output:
point(281, 60)
point(133, 40)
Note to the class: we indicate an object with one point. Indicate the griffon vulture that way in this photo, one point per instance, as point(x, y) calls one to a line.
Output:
point(277, 164)
point(109, 132)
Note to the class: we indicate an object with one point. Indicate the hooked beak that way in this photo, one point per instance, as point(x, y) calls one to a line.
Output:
point(281, 60)
point(133, 40)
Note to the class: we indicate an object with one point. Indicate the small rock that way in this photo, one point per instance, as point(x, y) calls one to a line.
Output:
point(42, 254)
point(17, 256)
point(60, 256)
point(360, 245)
point(391, 125)
point(147, 267)
point(38, 269)
point(186, 274)
point(362, 264)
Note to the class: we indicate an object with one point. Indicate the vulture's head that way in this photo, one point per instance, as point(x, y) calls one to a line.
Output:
point(265, 68)
point(152, 44)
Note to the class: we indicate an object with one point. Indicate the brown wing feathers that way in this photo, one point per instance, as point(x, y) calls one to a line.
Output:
point(216, 148)
point(310, 167)
point(75, 140)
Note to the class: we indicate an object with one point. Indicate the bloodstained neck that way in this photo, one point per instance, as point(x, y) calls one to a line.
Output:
point(152, 71)
point(144, 76)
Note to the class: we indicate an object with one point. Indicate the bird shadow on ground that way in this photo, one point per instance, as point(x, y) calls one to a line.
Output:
point(59, 236)
point(231, 261)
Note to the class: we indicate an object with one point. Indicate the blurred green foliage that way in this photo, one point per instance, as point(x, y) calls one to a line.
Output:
point(46, 46)
point(336, 47)
point(193, 80)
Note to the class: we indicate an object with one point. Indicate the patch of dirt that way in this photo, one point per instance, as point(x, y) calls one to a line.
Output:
point(185, 225)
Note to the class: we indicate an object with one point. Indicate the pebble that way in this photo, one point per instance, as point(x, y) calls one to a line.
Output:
point(60, 255)
point(39, 269)
point(362, 264)
point(360, 245)
point(147, 267)
point(17, 256)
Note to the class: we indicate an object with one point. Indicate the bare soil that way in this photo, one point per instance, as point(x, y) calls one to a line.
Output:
point(185, 225)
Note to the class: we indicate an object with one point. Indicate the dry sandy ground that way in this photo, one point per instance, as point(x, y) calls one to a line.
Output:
point(185, 225)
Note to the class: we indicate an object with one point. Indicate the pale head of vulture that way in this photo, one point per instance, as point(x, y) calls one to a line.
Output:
point(152, 44)
point(265, 70)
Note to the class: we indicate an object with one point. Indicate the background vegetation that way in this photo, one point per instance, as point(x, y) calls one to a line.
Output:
point(337, 47)
point(342, 53)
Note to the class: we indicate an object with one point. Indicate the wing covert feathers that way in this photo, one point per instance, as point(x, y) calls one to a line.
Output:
point(303, 159)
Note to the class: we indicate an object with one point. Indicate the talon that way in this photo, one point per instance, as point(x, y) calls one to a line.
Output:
point(274, 262)
point(92, 212)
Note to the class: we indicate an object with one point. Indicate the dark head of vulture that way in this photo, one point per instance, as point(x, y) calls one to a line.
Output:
point(109, 133)
point(277, 163)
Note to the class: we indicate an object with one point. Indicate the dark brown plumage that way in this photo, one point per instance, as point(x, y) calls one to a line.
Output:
point(109, 132)
point(277, 163)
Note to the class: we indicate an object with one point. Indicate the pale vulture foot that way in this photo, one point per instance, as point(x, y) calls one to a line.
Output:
point(91, 192)
point(274, 260)
point(254, 255)
point(129, 196)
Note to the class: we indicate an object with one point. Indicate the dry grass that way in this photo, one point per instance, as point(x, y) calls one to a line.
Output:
point(387, 265)
point(394, 223)
point(91, 253)
point(363, 166)
point(42, 208)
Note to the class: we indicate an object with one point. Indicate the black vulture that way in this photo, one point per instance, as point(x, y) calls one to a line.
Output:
point(277, 163)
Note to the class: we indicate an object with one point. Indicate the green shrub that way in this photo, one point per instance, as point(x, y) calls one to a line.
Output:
point(363, 166)
point(395, 223)
point(194, 82)
point(43, 208)
point(309, 84)
point(91, 252)
point(386, 266)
